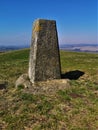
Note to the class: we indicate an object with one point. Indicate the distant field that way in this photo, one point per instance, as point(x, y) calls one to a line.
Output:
point(81, 47)
point(71, 109)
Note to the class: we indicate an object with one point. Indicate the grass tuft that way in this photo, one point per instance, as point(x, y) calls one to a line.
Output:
point(74, 108)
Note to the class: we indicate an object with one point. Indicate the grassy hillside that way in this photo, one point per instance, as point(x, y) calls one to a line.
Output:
point(71, 109)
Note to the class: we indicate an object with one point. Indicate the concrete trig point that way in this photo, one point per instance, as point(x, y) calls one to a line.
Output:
point(44, 63)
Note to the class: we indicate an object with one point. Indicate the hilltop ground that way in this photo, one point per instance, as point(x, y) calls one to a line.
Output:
point(74, 108)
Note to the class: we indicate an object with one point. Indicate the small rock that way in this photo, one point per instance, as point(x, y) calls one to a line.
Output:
point(23, 80)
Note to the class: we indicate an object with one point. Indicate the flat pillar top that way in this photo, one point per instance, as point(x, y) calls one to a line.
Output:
point(43, 25)
point(45, 20)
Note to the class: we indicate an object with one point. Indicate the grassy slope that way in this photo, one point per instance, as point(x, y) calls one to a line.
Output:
point(71, 109)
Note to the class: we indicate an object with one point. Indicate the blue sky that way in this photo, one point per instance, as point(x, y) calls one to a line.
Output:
point(76, 20)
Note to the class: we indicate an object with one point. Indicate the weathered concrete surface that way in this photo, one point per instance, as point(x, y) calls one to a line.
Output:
point(42, 87)
point(49, 87)
point(44, 63)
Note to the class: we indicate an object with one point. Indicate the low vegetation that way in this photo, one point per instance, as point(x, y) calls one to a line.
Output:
point(74, 108)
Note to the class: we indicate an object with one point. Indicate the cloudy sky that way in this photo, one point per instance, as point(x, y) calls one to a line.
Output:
point(76, 20)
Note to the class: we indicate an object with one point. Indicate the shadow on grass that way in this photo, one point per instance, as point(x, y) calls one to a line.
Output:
point(72, 75)
point(3, 85)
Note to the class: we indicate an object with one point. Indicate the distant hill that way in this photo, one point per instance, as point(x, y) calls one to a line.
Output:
point(69, 47)
point(80, 47)
point(4, 48)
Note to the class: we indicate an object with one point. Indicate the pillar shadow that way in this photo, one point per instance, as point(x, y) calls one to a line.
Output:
point(72, 75)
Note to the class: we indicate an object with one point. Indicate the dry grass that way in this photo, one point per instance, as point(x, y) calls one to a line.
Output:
point(74, 108)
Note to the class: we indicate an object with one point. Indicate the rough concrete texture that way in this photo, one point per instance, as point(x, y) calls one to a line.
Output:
point(44, 63)
point(49, 87)
point(41, 87)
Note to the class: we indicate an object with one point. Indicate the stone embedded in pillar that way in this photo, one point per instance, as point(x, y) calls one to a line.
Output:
point(44, 63)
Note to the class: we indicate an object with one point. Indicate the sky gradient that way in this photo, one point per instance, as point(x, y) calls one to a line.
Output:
point(76, 20)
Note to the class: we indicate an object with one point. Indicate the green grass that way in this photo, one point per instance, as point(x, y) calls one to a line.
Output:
point(13, 64)
point(69, 109)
